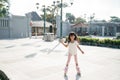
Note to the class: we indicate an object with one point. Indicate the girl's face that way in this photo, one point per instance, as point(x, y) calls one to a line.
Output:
point(72, 37)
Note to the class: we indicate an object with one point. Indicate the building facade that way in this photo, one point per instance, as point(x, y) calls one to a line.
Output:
point(97, 28)
point(104, 28)
point(38, 28)
point(66, 27)
point(80, 29)
point(15, 27)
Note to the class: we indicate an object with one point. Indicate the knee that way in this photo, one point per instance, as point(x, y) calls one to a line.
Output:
point(66, 65)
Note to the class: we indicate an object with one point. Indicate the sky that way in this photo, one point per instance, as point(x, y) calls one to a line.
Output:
point(102, 9)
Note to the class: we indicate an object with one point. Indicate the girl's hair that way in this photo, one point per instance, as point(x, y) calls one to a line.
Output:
point(72, 34)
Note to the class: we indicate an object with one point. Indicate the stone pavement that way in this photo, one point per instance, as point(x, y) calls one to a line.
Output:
point(34, 59)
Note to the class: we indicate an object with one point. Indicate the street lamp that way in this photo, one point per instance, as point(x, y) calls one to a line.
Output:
point(44, 18)
point(91, 19)
point(61, 25)
point(55, 7)
point(44, 10)
point(61, 21)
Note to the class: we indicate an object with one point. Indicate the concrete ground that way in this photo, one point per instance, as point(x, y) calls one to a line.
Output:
point(34, 59)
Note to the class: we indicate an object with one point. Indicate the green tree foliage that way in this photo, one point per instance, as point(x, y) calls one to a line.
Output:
point(80, 20)
point(3, 7)
point(49, 18)
point(114, 19)
point(70, 17)
point(100, 20)
point(51, 12)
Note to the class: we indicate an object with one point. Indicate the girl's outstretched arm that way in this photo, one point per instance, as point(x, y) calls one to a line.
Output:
point(80, 49)
point(65, 44)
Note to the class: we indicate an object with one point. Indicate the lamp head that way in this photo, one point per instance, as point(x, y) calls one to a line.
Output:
point(71, 3)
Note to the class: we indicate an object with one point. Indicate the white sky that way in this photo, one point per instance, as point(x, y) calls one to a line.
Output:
point(103, 9)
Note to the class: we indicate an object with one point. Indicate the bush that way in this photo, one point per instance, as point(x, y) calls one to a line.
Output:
point(99, 42)
point(89, 41)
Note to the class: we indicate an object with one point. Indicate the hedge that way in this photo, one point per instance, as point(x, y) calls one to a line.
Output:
point(114, 43)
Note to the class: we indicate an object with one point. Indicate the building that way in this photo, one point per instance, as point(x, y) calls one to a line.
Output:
point(34, 16)
point(97, 28)
point(66, 27)
point(38, 28)
point(37, 25)
point(23, 26)
point(80, 28)
point(15, 27)
point(104, 28)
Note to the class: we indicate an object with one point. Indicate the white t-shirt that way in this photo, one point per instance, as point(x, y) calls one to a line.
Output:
point(72, 48)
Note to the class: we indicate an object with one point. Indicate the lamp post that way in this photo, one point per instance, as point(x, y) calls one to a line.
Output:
point(61, 25)
point(91, 19)
point(61, 20)
point(44, 18)
point(44, 10)
point(55, 7)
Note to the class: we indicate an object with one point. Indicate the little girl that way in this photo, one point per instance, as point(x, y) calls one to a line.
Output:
point(72, 51)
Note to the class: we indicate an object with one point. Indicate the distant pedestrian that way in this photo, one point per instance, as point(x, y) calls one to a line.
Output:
point(72, 45)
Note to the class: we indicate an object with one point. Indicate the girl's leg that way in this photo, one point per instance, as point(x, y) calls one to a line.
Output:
point(68, 61)
point(76, 62)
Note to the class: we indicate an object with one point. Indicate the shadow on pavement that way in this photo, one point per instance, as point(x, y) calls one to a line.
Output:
point(31, 55)
point(11, 46)
point(27, 44)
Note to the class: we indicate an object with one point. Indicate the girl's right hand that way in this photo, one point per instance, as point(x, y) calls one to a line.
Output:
point(82, 52)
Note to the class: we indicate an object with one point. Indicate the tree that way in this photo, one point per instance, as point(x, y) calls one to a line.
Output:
point(49, 18)
point(103, 21)
point(52, 10)
point(3, 8)
point(100, 20)
point(70, 17)
point(114, 19)
point(80, 20)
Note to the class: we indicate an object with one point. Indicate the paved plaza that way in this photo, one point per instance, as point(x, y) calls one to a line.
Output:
point(35, 59)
